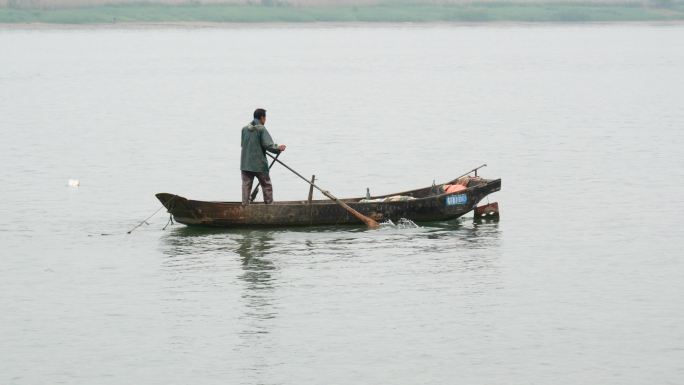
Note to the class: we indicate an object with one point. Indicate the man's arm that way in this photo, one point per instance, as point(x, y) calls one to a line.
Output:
point(268, 144)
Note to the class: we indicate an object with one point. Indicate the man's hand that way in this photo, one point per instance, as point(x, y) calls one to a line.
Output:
point(282, 147)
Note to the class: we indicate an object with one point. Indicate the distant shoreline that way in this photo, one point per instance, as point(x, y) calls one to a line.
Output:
point(141, 15)
point(238, 25)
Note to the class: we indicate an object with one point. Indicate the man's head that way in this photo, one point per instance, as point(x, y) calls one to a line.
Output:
point(260, 115)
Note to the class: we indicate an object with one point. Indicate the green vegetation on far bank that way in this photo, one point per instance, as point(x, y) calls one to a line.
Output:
point(663, 10)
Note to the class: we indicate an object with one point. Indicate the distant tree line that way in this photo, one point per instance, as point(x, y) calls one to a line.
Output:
point(51, 4)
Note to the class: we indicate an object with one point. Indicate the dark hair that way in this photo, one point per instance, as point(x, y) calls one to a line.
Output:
point(259, 113)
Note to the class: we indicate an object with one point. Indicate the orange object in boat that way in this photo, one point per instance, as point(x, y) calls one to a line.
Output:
point(452, 188)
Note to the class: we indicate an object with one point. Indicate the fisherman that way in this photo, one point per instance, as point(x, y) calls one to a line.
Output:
point(255, 142)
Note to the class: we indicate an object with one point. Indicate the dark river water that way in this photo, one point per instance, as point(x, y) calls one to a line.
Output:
point(579, 283)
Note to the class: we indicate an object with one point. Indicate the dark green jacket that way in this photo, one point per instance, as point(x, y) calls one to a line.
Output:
point(255, 142)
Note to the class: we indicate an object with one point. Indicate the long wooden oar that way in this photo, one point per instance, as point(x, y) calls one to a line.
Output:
point(256, 189)
point(370, 222)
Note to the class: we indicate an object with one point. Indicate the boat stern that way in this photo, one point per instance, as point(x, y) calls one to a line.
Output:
point(179, 208)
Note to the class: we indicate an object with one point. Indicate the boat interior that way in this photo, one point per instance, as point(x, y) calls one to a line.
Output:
point(460, 184)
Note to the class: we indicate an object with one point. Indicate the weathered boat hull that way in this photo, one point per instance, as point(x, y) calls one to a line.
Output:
point(426, 207)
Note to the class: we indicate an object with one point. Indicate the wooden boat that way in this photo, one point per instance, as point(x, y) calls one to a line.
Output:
point(425, 204)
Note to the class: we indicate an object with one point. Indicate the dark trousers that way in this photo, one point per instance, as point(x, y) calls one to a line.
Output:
point(264, 181)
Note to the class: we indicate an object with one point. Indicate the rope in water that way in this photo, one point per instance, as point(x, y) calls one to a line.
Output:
point(144, 221)
point(170, 222)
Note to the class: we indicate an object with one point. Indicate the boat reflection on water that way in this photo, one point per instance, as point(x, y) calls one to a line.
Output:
point(258, 275)
point(249, 283)
point(215, 250)
point(258, 311)
point(231, 277)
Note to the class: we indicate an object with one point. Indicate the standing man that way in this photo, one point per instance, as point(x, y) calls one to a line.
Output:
point(255, 142)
